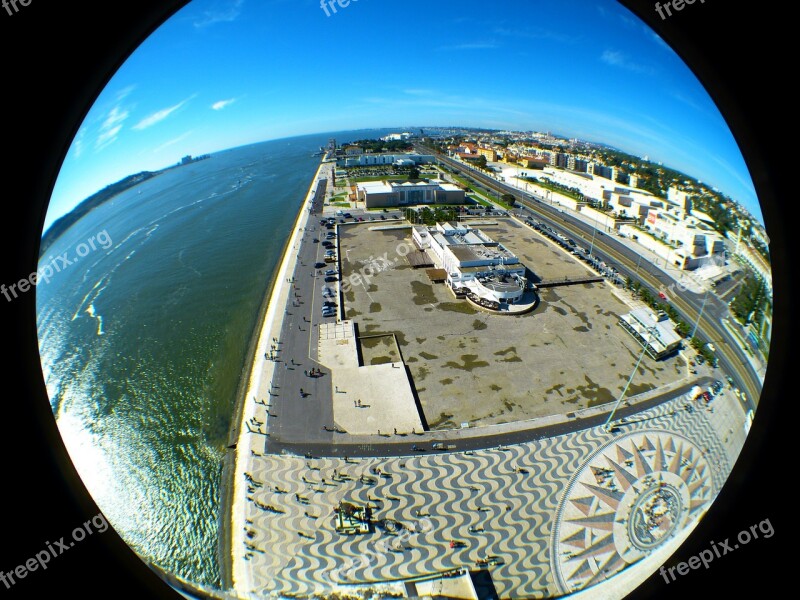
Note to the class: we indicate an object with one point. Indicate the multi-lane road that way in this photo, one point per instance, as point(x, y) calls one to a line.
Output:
point(732, 358)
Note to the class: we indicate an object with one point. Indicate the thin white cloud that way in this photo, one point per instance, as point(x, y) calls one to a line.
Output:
point(470, 46)
point(222, 104)
point(111, 127)
point(536, 33)
point(125, 92)
point(78, 151)
point(615, 58)
point(160, 115)
point(225, 11)
point(173, 141)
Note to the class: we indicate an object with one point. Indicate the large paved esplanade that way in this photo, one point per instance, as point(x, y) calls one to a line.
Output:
point(547, 517)
point(393, 442)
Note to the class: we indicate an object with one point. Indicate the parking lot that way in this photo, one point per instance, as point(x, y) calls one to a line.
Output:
point(470, 366)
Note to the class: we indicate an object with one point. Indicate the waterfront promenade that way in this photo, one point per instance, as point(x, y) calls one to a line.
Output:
point(255, 409)
point(508, 492)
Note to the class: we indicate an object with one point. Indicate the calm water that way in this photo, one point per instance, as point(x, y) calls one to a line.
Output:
point(143, 344)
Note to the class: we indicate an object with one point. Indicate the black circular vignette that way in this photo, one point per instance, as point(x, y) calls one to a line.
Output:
point(56, 58)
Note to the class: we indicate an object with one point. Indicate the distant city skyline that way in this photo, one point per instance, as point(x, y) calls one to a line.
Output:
point(226, 73)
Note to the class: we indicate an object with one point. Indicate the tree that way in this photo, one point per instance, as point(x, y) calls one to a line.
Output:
point(508, 199)
point(413, 173)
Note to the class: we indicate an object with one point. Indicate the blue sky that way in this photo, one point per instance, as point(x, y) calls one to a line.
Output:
point(224, 73)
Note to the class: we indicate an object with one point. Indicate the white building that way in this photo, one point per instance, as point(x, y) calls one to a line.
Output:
point(397, 137)
point(379, 194)
point(369, 160)
point(473, 261)
point(653, 329)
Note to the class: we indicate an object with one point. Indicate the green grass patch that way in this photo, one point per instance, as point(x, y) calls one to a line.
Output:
point(479, 325)
point(459, 307)
point(423, 293)
point(470, 362)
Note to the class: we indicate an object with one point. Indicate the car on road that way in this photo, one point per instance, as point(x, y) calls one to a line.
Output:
point(327, 244)
point(347, 216)
point(319, 265)
point(327, 292)
point(330, 272)
point(328, 311)
point(330, 278)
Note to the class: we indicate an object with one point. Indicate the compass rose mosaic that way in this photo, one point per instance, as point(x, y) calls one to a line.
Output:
point(627, 500)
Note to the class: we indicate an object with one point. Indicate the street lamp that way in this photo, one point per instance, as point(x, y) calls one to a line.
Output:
point(699, 316)
point(606, 425)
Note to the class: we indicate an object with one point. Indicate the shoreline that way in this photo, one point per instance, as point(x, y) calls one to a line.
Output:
point(258, 371)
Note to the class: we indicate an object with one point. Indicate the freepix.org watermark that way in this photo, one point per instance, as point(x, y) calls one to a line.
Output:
point(97, 524)
point(375, 265)
point(12, 4)
point(55, 265)
point(329, 6)
point(707, 556)
point(665, 10)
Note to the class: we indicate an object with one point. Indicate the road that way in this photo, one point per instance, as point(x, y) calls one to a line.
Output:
point(492, 440)
point(296, 417)
point(732, 359)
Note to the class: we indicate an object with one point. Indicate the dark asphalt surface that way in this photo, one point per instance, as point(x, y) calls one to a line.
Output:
point(295, 417)
point(402, 445)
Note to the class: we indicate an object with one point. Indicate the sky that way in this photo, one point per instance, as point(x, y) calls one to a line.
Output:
point(226, 73)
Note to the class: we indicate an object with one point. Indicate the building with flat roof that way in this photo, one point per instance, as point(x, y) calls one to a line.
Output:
point(473, 261)
point(380, 194)
point(654, 330)
point(371, 160)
